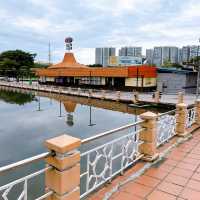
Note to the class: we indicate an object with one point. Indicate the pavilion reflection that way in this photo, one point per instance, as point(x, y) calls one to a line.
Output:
point(70, 107)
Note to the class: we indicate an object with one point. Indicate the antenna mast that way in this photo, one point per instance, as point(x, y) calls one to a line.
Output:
point(49, 54)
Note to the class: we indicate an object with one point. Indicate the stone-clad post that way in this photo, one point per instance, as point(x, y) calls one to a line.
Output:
point(118, 95)
point(181, 119)
point(148, 136)
point(64, 178)
point(103, 94)
point(90, 94)
point(157, 97)
point(79, 91)
point(197, 106)
point(69, 90)
point(180, 97)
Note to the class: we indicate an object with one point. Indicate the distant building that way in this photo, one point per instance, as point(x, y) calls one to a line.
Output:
point(185, 54)
point(102, 55)
point(131, 51)
point(194, 51)
point(189, 52)
point(149, 56)
point(165, 53)
point(180, 52)
point(174, 55)
point(157, 56)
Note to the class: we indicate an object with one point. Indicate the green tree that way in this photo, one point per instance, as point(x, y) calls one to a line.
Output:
point(40, 65)
point(12, 62)
point(16, 97)
point(195, 61)
point(169, 64)
point(95, 65)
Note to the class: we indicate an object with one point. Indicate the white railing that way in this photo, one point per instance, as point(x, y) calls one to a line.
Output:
point(104, 162)
point(166, 124)
point(191, 115)
point(6, 190)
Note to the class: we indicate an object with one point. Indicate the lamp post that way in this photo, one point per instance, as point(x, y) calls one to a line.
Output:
point(198, 73)
point(90, 122)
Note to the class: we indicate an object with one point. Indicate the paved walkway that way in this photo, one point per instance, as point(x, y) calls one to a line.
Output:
point(177, 177)
point(171, 99)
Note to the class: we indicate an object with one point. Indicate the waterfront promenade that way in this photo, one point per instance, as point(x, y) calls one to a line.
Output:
point(123, 96)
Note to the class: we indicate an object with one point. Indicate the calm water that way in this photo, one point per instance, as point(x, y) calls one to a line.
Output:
point(27, 120)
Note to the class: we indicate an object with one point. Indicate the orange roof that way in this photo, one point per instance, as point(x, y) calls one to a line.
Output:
point(70, 106)
point(68, 61)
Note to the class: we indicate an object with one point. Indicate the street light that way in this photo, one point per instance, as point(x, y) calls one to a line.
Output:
point(198, 73)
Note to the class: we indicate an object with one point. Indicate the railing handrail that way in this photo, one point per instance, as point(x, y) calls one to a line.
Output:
point(106, 133)
point(166, 113)
point(24, 162)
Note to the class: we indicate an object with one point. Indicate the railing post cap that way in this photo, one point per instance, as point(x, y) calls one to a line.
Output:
point(181, 105)
point(148, 115)
point(197, 100)
point(62, 144)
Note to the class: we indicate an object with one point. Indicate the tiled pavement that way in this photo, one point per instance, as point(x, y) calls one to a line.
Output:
point(176, 177)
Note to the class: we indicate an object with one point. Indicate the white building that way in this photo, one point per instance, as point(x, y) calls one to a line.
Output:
point(102, 55)
point(149, 56)
point(165, 54)
point(157, 56)
point(131, 51)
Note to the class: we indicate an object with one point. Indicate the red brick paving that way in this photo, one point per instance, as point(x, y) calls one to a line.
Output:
point(177, 178)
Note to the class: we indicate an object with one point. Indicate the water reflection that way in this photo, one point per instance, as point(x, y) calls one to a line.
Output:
point(18, 98)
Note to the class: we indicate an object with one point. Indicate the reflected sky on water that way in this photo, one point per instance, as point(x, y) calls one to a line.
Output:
point(29, 121)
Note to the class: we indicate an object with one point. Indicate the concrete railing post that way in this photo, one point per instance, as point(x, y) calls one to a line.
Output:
point(181, 119)
point(180, 98)
point(118, 95)
point(64, 177)
point(90, 94)
point(197, 106)
point(148, 136)
point(69, 90)
point(79, 91)
point(157, 97)
point(103, 94)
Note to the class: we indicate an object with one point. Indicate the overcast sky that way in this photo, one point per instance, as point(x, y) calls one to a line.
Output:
point(30, 24)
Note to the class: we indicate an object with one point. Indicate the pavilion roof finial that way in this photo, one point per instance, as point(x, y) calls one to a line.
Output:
point(68, 43)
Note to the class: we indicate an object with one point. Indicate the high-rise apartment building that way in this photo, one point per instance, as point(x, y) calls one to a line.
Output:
point(174, 55)
point(165, 54)
point(157, 56)
point(131, 51)
point(185, 54)
point(102, 55)
point(194, 51)
point(149, 56)
point(189, 52)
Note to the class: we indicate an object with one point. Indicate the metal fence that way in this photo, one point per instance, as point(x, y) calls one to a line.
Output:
point(104, 162)
point(6, 190)
point(191, 115)
point(166, 124)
